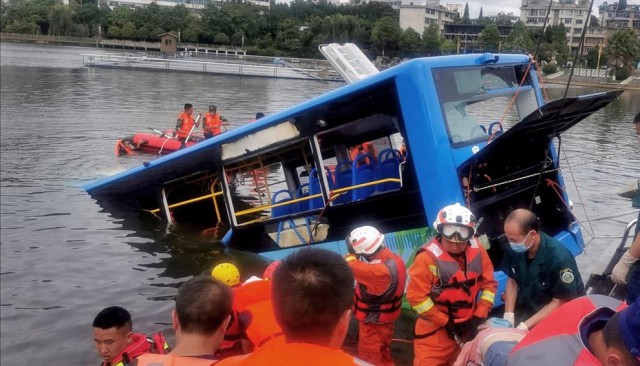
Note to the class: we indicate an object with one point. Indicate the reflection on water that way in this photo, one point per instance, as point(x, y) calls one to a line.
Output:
point(63, 258)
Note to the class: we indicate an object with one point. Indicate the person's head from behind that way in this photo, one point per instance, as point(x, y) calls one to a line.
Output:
point(312, 293)
point(112, 332)
point(203, 308)
point(621, 337)
point(213, 108)
point(636, 121)
point(188, 108)
point(259, 115)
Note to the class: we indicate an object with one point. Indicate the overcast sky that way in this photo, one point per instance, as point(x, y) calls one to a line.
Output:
point(492, 7)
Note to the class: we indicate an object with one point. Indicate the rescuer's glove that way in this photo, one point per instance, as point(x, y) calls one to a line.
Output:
point(621, 269)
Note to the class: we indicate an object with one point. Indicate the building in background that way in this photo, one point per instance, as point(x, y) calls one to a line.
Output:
point(619, 16)
point(573, 14)
point(420, 14)
point(193, 5)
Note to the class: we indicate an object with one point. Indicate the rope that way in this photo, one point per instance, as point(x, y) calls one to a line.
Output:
point(514, 180)
point(573, 179)
point(506, 111)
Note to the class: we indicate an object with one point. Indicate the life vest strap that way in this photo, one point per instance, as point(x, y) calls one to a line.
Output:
point(456, 305)
point(396, 303)
point(422, 336)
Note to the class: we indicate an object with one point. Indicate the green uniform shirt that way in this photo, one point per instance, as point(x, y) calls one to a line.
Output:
point(553, 273)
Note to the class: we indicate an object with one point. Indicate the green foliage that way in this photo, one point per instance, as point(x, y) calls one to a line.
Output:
point(490, 37)
point(143, 33)
point(465, 14)
point(114, 32)
point(221, 38)
point(502, 19)
point(623, 48)
point(386, 35)
point(236, 39)
point(410, 42)
point(129, 31)
point(156, 32)
point(622, 73)
point(121, 15)
point(518, 39)
point(592, 58)
point(549, 69)
point(60, 20)
point(432, 39)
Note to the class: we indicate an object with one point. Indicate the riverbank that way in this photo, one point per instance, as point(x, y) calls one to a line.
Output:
point(632, 83)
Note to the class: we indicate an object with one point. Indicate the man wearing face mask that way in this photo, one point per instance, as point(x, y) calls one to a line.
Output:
point(451, 287)
point(380, 277)
point(543, 274)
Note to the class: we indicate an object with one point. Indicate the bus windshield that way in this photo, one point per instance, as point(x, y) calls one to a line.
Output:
point(478, 101)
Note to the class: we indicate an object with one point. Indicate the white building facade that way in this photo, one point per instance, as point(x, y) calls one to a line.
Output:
point(420, 14)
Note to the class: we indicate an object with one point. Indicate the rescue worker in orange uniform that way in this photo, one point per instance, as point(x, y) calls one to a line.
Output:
point(229, 274)
point(212, 122)
point(445, 279)
point(380, 279)
point(201, 315)
point(185, 122)
point(253, 309)
point(364, 148)
point(312, 292)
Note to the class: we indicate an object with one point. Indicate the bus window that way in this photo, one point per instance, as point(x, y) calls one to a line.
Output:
point(479, 101)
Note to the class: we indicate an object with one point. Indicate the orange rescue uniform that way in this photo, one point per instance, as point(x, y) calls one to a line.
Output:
point(212, 124)
point(184, 125)
point(379, 290)
point(276, 352)
point(253, 310)
point(432, 269)
point(170, 360)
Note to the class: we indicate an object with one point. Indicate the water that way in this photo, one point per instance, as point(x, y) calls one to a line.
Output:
point(63, 258)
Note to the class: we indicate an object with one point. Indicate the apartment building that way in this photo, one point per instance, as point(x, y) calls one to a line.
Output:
point(420, 14)
point(615, 16)
point(574, 14)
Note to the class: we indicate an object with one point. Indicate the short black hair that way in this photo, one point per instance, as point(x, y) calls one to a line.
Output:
point(637, 118)
point(311, 290)
point(202, 304)
point(526, 220)
point(259, 115)
point(613, 339)
point(113, 316)
point(187, 106)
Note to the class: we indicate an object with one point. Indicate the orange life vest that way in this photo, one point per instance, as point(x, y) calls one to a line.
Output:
point(385, 308)
point(254, 311)
point(171, 360)
point(281, 353)
point(456, 295)
point(185, 127)
point(140, 345)
point(212, 123)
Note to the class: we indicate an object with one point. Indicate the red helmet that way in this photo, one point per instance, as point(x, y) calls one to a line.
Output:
point(270, 270)
point(455, 223)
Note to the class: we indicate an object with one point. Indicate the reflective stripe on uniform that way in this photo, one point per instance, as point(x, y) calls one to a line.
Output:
point(434, 269)
point(424, 306)
point(488, 295)
point(350, 258)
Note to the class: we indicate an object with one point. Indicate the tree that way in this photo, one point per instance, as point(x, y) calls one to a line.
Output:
point(465, 14)
point(221, 38)
point(503, 19)
point(432, 39)
point(623, 48)
point(594, 22)
point(143, 33)
point(237, 39)
point(518, 39)
point(480, 15)
point(60, 20)
point(121, 15)
point(114, 32)
point(156, 32)
point(410, 42)
point(592, 58)
point(490, 37)
point(386, 34)
point(129, 31)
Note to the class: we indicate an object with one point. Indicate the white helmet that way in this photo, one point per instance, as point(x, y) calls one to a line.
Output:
point(455, 223)
point(365, 240)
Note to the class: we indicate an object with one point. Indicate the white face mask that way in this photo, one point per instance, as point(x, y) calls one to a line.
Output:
point(521, 247)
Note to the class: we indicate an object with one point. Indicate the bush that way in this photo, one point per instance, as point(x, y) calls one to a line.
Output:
point(622, 73)
point(549, 69)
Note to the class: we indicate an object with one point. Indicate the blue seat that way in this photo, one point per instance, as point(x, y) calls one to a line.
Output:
point(314, 187)
point(388, 167)
point(303, 191)
point(363, 171)
point(279, 197)
point(343, 176)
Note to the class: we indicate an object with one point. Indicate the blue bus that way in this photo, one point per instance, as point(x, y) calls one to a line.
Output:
point(387, 151)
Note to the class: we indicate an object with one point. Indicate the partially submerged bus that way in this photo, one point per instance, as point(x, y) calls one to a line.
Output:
point(476, 128)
